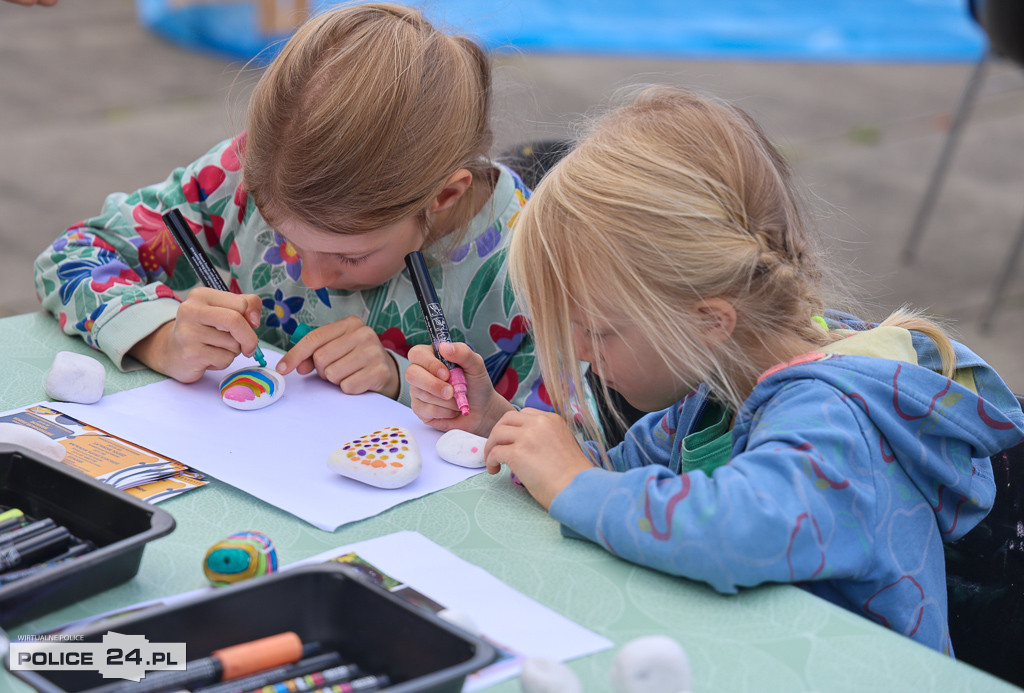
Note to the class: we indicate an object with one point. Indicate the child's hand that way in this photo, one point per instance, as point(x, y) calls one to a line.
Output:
point(539, 449)
point(210, 329)
point(433, 399)
point(348, 354)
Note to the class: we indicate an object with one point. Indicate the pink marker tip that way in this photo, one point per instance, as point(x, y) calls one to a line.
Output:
point(458, 380)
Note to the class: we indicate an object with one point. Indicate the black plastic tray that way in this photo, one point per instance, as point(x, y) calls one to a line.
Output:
point(118, 524)
point(329, 603)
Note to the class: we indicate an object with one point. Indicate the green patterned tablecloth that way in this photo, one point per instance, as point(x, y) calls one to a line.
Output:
point(774, 638)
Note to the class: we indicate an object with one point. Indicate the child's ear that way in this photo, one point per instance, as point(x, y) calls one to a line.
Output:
point(717, 318)
point(454, 188)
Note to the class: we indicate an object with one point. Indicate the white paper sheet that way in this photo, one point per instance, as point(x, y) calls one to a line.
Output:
point(504, 616)
point(517, 625)
point(279, 453)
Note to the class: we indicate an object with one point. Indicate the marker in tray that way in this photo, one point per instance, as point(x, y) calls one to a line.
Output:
point(274, 676)
point(224, 664)
point(35, 548)
point(72, 552)
point(29, 546)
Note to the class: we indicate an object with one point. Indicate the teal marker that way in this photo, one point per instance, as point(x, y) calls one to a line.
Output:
point(301, 331)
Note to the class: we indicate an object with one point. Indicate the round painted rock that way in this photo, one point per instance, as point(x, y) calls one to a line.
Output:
point(388, 458)
point(239, 557)
point(251, 388)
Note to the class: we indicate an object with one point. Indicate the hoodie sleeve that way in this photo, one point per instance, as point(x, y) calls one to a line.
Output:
point(798, 503)
point(111, 279)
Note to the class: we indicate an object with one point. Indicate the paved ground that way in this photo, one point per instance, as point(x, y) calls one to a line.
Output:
point(90, 103)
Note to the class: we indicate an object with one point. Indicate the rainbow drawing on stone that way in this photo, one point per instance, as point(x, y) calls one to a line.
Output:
point(239, 557)
point(251, 388)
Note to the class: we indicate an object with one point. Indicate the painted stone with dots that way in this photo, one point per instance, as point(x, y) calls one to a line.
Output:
point(461, 448)
point(388, 458)
point(241, 556)
point(251, 388)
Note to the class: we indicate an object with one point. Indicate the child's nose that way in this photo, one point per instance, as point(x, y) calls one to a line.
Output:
point(583, 351)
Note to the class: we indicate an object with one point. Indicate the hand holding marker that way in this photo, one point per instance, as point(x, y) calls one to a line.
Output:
point(193, 252)
point(436, 324)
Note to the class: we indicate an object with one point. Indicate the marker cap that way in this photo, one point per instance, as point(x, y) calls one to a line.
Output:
point(250, 657)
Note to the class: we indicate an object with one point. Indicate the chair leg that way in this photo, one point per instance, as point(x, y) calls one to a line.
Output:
point(941, 168)
point(1002, 280)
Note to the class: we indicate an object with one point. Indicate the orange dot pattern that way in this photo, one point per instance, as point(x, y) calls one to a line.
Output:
point(384, 448)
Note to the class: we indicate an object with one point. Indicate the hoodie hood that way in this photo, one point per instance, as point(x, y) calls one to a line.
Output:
point(928, 424)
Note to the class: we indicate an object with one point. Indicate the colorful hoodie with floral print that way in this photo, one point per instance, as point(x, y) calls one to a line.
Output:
point(849, 468)
point(114, 278)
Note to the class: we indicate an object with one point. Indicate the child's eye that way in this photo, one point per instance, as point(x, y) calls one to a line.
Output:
point(345, 260)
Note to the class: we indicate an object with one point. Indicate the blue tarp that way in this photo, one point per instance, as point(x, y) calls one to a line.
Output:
point(801, 30)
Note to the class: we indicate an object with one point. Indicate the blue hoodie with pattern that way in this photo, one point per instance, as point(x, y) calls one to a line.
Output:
point(849, 468)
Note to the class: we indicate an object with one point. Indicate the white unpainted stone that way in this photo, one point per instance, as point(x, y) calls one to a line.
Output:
point(33, 440)
point(460, 619)
point(75, 377)
point(388, 458)
point(543, 675)
point(651, 664)
point(461, 448)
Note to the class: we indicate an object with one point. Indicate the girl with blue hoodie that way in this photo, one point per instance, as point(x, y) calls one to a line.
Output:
point(785, 443)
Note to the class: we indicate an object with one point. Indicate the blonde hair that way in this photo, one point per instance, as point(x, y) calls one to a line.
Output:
point(666, 201)
point(363, 116)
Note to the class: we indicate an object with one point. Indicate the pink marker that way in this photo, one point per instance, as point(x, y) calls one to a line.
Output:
point(437, 326)
point(458, 380)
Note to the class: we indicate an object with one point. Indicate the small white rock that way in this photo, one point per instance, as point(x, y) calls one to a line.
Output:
point(75, 377)
point(460, 619)
point(388, 458)
point(33, 440)
point(652, 664)
point(542, 675)
point(461, 448)
point(251, 388)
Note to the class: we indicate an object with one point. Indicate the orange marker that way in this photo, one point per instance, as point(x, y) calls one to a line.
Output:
point(222, 665)
point(250, 657)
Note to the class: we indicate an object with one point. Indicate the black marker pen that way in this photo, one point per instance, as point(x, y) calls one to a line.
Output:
point(13, 536)
point(277, 675)
point(15, 575)
point(182, 232)
point(366, 683)
point(34, 548)
point(437, 326)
